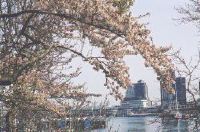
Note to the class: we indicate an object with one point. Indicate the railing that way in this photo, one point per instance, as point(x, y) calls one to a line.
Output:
point(187, 106)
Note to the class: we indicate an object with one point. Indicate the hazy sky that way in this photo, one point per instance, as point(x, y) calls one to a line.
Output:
point(165, 31)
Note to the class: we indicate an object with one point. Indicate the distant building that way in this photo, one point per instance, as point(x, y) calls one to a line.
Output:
point(136, 96)
point(137, 91)
point(141, 90)
point(166, 97)
point(181, 90)
point(136, 104)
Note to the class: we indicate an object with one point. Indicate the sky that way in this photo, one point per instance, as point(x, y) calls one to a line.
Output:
point(165, 31)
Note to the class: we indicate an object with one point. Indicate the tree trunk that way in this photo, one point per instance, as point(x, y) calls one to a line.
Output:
point(8, 123)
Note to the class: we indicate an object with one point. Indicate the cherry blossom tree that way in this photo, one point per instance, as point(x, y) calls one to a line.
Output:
point(39, 39)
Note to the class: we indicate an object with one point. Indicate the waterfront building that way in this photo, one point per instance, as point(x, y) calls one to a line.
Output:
point(136, 96)
point(167, 98)
point(137, 91)
point(141, 90)
point(181, 90)
point(136, 104)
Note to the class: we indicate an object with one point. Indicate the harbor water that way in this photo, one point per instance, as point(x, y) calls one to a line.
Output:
point(147, 124)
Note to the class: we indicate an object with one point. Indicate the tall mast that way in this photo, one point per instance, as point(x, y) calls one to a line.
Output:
point(176, 97)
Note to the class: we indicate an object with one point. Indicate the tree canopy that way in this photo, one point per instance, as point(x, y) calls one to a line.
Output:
point(40, 38)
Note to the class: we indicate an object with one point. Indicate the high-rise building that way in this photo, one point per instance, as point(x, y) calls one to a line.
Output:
point(137, 96)
point(141, 91)
point(137, 91)
point(166, 97)
point(181, 90)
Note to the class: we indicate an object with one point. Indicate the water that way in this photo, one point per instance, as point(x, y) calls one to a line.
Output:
point(146, 124)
